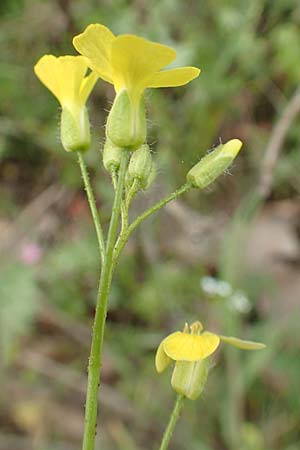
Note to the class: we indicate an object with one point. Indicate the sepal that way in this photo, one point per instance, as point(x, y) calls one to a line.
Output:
point(126, 122)
point(75, 129)
point(189, 378)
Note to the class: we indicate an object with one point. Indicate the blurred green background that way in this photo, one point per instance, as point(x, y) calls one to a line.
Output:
point(228, 256)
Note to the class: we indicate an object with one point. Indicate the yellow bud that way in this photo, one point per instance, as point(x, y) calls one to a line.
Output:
point(189, 378)
point(214, 164)
point(111, 156)
point(126, 122)
point(75, 129)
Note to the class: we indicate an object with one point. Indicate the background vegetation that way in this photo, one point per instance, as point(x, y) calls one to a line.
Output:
point(244, 230)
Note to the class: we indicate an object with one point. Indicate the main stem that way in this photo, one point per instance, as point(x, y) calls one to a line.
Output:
point(172, 422)
point(94, 368)
point(92, 203)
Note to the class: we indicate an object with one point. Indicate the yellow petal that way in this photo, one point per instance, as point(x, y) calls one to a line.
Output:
point(62, 76)
point(162, 361)
point(173, 77)
point(190, 347)
point(134, 60)
point(86, 86)
point(240, 343)
point(95, 44)
point(44, 71)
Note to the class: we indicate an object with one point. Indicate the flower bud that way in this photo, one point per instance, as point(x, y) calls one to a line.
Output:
point(111, 156)
point(151, 177)
point(189, 378)
point(126, 122)
point(140, 165)
point(75, 129)
point(213, 164)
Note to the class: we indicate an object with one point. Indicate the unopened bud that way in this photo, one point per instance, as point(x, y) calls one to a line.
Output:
point(151, 177)
point(214, 164)
point(140, 165)
point(111, 156)
point(189, 378)
point(126, 122)
point(75, 129)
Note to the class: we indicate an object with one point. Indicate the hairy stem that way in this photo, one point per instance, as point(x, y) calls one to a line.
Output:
point(94, 369)
point(92, 203)
point(123, 238)
point(172, 422)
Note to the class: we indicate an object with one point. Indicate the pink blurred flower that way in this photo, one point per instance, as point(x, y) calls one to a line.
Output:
point(31, 253)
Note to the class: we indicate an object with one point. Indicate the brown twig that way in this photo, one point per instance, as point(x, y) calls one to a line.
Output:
point(276, 141)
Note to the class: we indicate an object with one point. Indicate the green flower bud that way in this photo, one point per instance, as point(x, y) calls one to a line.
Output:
point(151, 177)
point(111, 156)
point(213, 164)
point(126, 122)
point(75, 129)
point(140, 165)
point(189, 378)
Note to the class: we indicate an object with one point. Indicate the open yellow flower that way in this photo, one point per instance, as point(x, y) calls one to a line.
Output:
point(191, 352)
point(65, 77)
point(131, 64)
point(195, 346)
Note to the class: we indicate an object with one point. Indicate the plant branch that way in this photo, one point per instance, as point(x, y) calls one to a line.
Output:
point(93, 207)
point(124, 236)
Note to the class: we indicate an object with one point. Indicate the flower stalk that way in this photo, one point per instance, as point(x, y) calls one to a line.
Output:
point(124, 236)
point(172, 422)
point(93, 206)
point(94, 369)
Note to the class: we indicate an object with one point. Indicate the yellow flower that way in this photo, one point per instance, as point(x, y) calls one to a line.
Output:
point(131, 64)
point(65, 78)
point(195, 346)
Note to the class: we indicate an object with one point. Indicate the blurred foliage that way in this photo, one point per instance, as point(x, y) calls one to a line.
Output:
point(249, 55)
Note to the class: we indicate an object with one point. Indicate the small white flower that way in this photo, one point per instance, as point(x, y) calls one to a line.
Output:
point(213, 286)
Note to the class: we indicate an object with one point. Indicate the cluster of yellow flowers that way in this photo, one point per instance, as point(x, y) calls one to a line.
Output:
point(129, 62)
point(133, 64)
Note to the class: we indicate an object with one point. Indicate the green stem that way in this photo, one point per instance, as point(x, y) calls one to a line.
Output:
point(100, 316)
point(172, 422)
point(114, 178)
point(126, 204)
point(132, 191)
point(233, 408)
point(157, 206)
point(125, 235)
point(93, 207)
